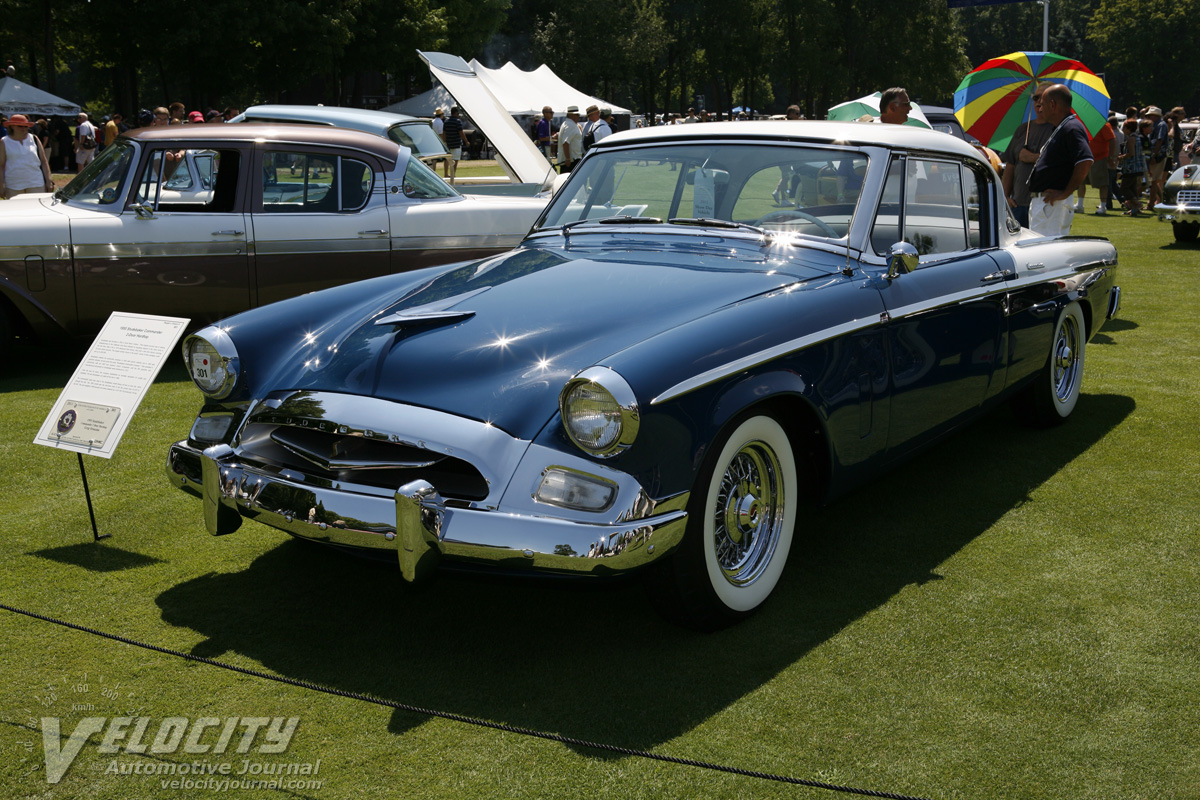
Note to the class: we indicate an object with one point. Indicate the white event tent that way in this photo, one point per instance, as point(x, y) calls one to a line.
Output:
point(522, 93)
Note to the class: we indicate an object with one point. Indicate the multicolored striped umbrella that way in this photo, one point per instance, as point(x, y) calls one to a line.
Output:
point(997, 96)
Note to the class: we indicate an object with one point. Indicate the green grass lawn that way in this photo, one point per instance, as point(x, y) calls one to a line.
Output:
point(1012, 615)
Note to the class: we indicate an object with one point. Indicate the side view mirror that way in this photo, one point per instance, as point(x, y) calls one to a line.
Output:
point(143, 211)
point(901, 259)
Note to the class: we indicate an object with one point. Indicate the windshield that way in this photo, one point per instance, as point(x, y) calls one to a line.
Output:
point(99, 184)
point(781, 187)
point(419, 137)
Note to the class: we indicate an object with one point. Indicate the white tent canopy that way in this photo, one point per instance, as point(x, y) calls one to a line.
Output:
point(521, 93)
point(21, 98)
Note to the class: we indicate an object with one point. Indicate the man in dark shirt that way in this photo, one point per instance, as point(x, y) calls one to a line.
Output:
point(1061, 168)
point(452, 136)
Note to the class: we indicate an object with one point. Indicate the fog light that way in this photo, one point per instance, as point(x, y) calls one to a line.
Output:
point(570, 489)
point(211, 429)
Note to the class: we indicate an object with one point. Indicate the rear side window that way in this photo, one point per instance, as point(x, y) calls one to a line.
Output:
point(295, 182)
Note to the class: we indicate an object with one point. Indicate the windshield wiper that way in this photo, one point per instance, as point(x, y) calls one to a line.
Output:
point(629, 219)
point(709, 222)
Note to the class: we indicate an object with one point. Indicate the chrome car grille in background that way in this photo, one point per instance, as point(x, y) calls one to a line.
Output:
point(1188, 196)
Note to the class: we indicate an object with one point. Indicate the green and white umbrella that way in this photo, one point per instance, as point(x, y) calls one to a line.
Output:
point(854, 109)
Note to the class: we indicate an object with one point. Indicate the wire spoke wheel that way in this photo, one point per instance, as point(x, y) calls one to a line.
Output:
point(748, 518)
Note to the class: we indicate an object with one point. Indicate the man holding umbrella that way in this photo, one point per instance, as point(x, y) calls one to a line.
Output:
point(1061, 168)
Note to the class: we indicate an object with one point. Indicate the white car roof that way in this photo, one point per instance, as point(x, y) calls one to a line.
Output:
point(905, 137)
point(357, 118)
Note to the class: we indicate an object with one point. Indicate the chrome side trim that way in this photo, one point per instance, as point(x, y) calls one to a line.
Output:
point(786, 348)
point(271, 247)
point(505, 240)
point(101, 252)
point(763, 356)
point(50, 252)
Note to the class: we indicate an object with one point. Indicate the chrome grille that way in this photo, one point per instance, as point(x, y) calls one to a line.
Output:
point(356, 459)
point(1188, 196)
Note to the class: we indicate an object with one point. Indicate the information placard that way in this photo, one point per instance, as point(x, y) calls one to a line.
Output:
point(99, 401)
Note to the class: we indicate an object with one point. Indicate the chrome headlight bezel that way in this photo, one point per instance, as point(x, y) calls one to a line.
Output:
point(623, 415)
point(225, 367)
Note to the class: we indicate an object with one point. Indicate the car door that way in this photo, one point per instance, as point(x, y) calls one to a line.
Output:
point(319, 220)
point(179, 246)
point(946, 317)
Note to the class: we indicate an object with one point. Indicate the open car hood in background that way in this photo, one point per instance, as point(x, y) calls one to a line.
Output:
point(517, 153)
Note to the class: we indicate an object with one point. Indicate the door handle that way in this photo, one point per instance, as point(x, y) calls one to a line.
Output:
point(373, 233)
point(1002, 275)
point(1042, 309)
point(227, 233)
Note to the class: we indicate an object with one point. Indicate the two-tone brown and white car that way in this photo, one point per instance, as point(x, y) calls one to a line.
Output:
point(205, 221)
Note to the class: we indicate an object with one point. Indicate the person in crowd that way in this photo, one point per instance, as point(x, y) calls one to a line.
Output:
point(1114, 170)
point(1132, 167)
point(1179, 115)
point(894, 106)
point(543, 131)
point(112, 128)
point(691, 117)
point(161, 117)
point(1022, 153)
point(231, 112)
point(3, 129)
point(24, 167)
point(85, 141)
point(1061, 168)
point(1104, 157)
point(570, 140)
point(195, 118)
point(1156, 158)
point(213, 117)
point(439, 123)
point(452, 135)
point(175, 112)
point(595, 129)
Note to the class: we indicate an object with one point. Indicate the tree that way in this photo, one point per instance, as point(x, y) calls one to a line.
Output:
point(1149, 47)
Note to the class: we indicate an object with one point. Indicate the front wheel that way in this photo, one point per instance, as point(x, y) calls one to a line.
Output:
point(1185, 231)
point(1052, 396)
point(740, 520)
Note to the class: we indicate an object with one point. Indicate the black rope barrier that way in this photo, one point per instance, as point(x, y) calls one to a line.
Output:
point(481, 723)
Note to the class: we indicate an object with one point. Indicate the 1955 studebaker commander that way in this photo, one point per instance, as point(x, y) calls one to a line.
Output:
point(662, 375)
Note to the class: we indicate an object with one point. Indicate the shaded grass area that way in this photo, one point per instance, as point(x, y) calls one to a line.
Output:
point(1011, 615)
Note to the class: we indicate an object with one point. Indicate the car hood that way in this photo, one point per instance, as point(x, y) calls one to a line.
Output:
point(497, 339)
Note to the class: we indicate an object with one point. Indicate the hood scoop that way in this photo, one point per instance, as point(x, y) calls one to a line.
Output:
point(435, 313)
point(411, 319)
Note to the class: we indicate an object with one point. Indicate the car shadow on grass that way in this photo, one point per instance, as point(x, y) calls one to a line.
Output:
point(593, 661)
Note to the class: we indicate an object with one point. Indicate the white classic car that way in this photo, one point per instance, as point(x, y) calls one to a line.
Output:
point(204, 221)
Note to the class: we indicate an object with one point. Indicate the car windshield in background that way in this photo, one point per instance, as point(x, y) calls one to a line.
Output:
point(419, 137)
point(99, 184)
point(795, 189)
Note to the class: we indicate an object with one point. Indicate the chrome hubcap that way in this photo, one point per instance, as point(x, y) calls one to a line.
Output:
point(1066, 362)
point(749, 513)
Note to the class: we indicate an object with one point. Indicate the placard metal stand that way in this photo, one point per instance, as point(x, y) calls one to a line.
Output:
point(87, 494)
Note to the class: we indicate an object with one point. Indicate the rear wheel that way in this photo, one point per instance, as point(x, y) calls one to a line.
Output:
point(1186, 231)
point(1052, 396)
point(740, 520)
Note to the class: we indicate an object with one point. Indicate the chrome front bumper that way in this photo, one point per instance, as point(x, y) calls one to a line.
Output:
point(416, 523)
point(1177, 213)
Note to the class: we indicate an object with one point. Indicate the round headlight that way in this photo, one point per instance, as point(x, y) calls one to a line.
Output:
point(599, 411)
point(212, 361)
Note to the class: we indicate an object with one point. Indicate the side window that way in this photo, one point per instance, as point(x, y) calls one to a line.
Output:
point(933, 216)
point(307, 182)
point(189, 180)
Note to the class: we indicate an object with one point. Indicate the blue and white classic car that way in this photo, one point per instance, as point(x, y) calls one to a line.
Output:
point(663, 374)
